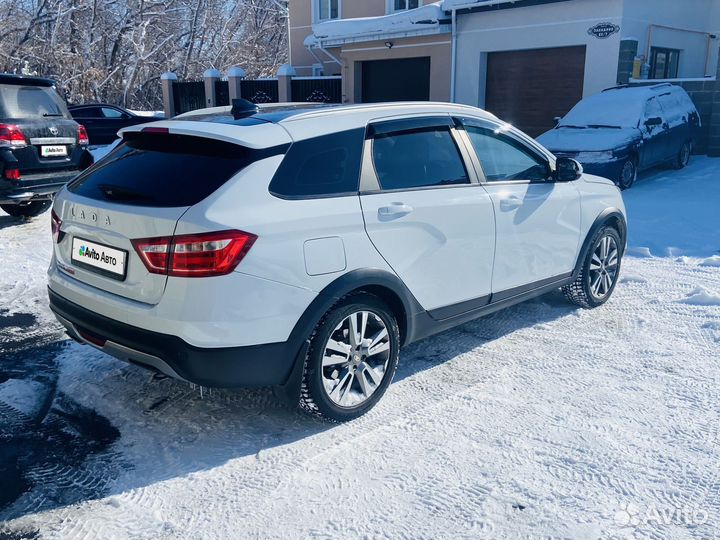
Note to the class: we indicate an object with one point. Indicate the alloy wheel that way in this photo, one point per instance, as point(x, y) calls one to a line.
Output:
point(355, 358)
point(603, 267)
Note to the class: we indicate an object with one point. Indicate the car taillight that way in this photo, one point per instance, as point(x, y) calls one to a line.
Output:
point(12, 135)
point(156, 130)
point(55, 223)
point(195, 255)
point(82, 135)
point(12, 174)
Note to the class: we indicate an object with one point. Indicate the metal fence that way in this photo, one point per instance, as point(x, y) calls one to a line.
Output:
point(222, 93)
point(317, 89)
point(260, 90)
point(188, 96)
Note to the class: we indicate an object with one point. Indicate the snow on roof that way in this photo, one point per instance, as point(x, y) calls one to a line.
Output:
point(422, 18)
point(449, 5)
point(621, 107)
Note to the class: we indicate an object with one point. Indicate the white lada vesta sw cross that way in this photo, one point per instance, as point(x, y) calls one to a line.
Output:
point(302, 246)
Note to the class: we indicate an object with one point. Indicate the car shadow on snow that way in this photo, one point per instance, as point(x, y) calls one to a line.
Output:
point(7, 221)
point(106, 427)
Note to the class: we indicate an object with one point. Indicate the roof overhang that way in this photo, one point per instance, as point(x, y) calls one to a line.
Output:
point(379, 36)
point(475, 6)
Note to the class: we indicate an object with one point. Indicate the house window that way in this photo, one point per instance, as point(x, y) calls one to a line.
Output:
point(402, 5)
point(328, 9)
point(664, 63)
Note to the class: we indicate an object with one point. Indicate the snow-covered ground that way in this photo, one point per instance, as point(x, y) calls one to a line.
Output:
point(541, 420)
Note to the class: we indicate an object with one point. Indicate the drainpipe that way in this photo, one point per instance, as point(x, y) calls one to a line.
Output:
point(453, 60)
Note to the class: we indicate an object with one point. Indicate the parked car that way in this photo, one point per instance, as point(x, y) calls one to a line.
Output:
point(103, 121)
point(41, 146)
point(301, 247)
point(623, 130)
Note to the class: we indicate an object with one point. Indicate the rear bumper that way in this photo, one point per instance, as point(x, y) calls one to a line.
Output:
point(249, 366)
point(33, 187)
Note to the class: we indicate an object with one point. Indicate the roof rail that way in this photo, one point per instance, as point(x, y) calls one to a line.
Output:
point(618, 87)
point(11, 78)
point(650, 86)
point(661, 85)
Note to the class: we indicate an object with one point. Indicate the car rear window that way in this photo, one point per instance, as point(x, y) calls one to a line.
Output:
point(164, 170)
point(19, 101)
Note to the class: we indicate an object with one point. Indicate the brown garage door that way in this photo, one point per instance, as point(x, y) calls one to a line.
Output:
point(530, 88)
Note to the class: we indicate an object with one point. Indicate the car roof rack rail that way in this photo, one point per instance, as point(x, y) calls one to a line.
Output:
point(650, 86)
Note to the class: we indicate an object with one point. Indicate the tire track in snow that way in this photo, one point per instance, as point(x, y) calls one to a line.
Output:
point(539, 419)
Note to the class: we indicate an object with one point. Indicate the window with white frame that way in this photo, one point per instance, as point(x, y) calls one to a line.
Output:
point(403, 5)
point(327, 9)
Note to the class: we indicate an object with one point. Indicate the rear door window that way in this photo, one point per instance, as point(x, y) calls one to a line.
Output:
point(19, 101)
point(672, 109)
point(418, 158)
point(107, 112)
point(87, 112)
point(165, 170)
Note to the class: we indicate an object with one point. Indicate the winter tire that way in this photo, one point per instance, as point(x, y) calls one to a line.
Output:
point(26, 210)
point(600, 270)
point(628, 174)
point(351, 360)
point(683, 156)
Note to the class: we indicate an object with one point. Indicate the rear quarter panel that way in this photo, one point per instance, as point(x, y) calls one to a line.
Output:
point(283, 227)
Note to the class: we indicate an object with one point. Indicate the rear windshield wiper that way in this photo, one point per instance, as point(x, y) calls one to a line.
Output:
point(47, 114)
point(571, 126)
point(603, 126)
point(116, 193)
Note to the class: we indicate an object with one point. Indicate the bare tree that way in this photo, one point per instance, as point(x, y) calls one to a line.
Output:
point(115, 50)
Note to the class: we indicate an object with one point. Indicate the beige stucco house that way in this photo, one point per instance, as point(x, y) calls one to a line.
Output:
point(390, 49)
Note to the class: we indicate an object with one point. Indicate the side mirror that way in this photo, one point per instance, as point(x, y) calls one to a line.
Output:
point(653, 121)
point(567, 170)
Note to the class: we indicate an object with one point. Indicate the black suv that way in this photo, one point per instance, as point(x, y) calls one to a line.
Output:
point(41, 146)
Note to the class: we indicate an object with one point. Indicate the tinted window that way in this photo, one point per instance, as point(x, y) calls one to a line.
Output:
point(87, 112)
point(503, 158)
point(111, 113)
point(321, 166)
point(419, 158)
point(30, 102)
point(164, 170)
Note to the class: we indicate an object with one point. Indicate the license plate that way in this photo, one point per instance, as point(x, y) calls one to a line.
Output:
point(99, 258)
point(53, 151)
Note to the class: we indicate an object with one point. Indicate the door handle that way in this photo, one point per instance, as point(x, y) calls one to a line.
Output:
point(395, 209)
point(510, 203)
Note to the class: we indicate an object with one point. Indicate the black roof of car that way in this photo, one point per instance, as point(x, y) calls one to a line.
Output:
point(9, 78)
point(270, 113)
point(83, 105)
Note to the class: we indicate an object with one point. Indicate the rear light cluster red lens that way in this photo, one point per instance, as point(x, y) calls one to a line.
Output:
point(12, 135)
point(156, 130)
point(55, 223)
point(82, 135)
point(195, 255)
point(12, 174)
